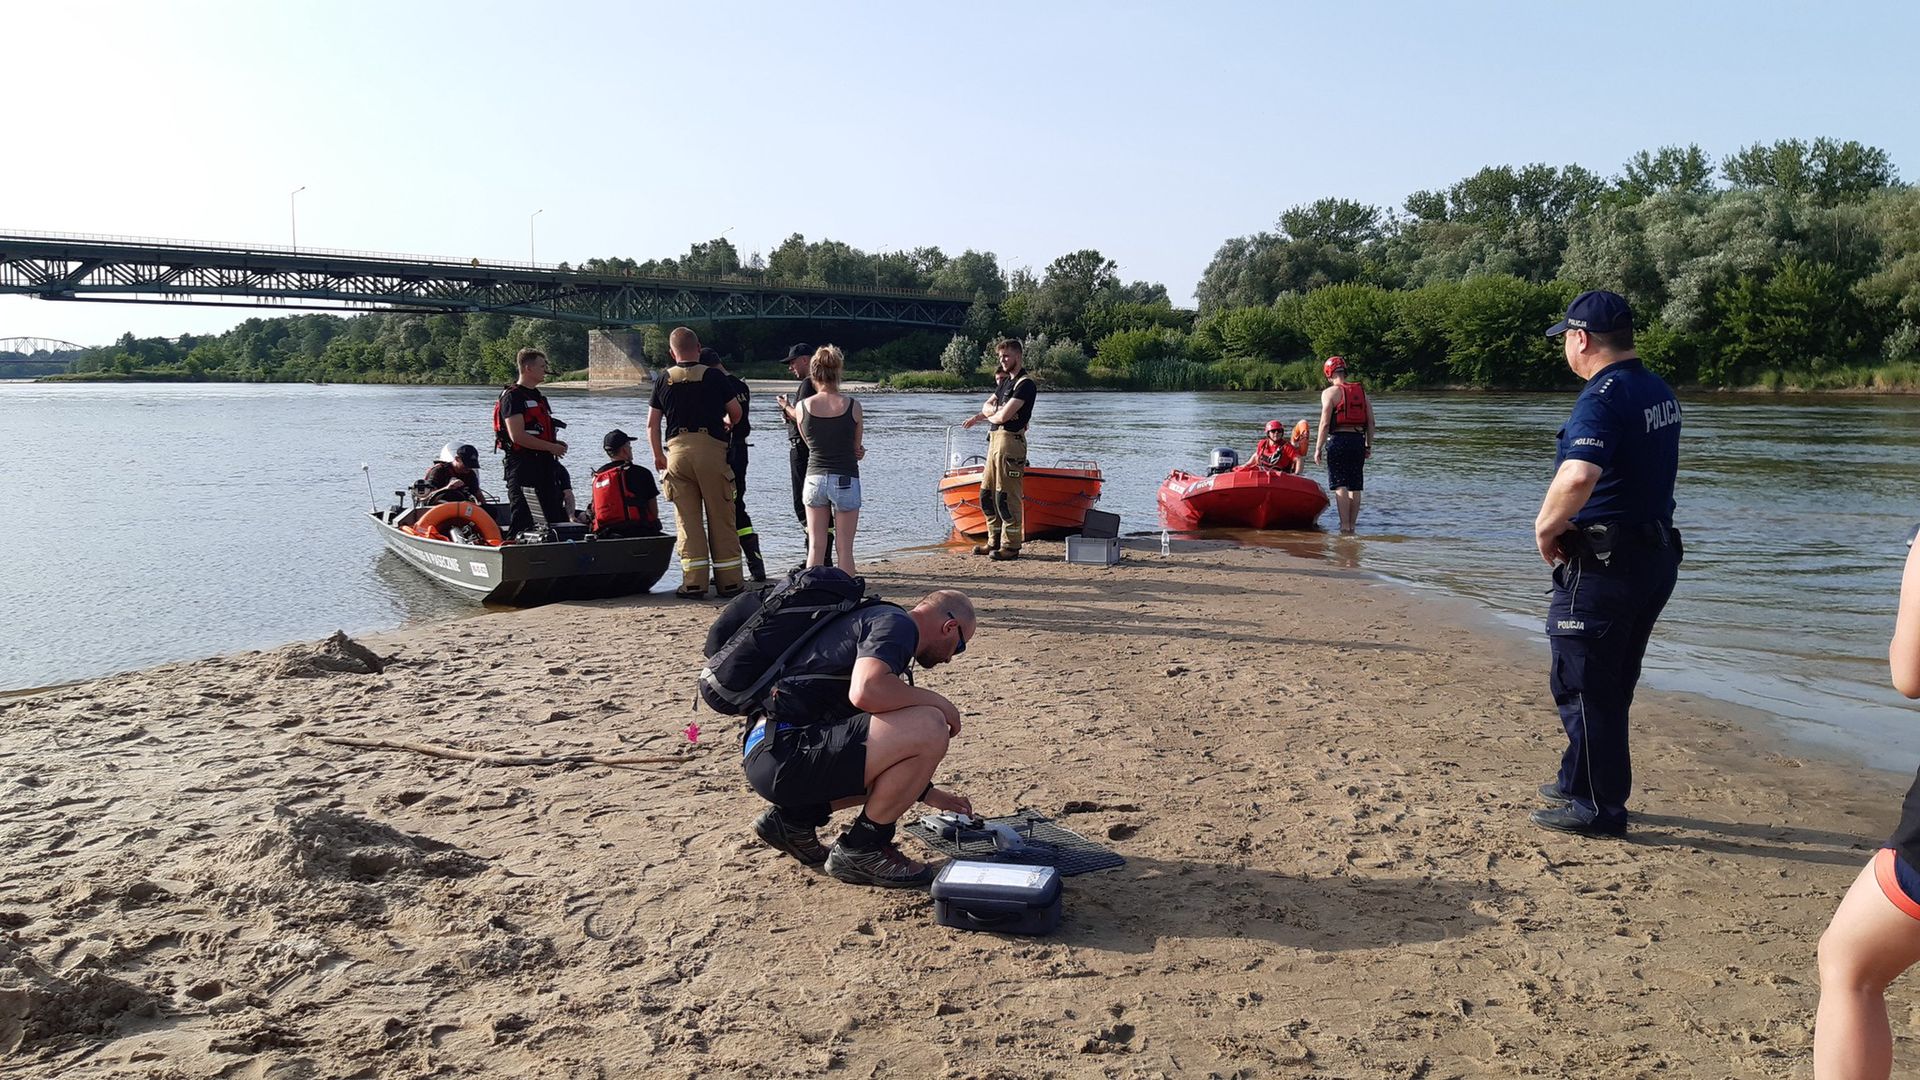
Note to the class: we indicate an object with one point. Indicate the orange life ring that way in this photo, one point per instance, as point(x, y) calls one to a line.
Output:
point(468, 513)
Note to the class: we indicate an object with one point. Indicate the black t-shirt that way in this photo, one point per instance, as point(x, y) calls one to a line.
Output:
point(442, 473)
point(1021, 388)
point(812, 689)
point(740, 392)
point(800, 393)
point(693, 402)
point(532, 404)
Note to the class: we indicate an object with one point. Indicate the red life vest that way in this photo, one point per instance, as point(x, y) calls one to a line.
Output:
point(1272, 455)
point(1353, 410)
point(539, 418)
point(612, 502)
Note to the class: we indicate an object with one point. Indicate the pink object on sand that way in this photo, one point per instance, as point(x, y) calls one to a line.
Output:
point(692, 733)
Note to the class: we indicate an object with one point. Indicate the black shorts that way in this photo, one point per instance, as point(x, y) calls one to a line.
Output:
point(808, 764)
point(1347, 460)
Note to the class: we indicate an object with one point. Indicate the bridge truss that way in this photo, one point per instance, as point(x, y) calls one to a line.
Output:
point(32, 346)
point(169, 272)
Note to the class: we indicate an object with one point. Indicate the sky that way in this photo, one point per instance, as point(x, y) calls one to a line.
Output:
point(1151, 132)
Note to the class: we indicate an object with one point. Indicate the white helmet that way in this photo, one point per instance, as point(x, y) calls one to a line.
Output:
point(446, 454)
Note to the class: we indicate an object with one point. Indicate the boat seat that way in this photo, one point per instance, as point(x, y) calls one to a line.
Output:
point(561, 530)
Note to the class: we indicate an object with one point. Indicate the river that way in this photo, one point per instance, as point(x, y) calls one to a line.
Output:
point(163, 522)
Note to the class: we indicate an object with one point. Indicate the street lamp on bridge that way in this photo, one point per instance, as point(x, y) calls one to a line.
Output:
point(293, 215)
point(530, 218)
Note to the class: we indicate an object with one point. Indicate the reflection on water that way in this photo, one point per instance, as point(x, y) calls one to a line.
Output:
point(212, 518)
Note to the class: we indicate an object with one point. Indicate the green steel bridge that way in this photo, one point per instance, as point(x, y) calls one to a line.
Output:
point(131, 270)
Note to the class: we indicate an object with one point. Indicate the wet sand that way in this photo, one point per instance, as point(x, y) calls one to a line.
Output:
point(1320, 782)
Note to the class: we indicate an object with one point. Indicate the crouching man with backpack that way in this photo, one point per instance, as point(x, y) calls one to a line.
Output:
point(835, 722)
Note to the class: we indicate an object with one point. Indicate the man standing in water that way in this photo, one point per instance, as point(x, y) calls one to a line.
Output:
point(1003, 481)
point(1346, 433)
point(1606, 528)
point(696, 406)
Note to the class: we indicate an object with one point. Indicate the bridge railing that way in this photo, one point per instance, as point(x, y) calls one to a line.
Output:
point(449, 262)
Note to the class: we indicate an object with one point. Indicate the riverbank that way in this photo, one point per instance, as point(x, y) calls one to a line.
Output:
point(1330, 868)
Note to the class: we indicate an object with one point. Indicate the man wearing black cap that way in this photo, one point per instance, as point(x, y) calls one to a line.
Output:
point(1606, 528)
point(626, 501)
point(800, 362)
point(737, 460)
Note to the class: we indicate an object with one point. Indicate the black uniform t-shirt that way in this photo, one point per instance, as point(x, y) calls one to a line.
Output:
point(531, 405)
point(696, 404)
point(737, 388)
point(812, 688)
point(801, 393)
point(1022, 388)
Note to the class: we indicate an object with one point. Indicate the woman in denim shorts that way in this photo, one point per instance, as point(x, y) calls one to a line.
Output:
point(834, 432)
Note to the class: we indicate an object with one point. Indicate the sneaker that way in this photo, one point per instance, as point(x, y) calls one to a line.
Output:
point(1005, 554)
point(1566, 819)
point(1551, 792)
point(984, 549)
point(884, 866)
point(799, 841)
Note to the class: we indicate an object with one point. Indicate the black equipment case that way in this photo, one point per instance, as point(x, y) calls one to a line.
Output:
point(1005, 898)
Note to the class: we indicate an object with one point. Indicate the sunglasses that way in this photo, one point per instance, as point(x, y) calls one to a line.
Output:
point(958, 633)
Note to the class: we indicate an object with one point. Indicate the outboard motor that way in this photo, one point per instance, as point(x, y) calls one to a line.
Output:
point(1225, 459)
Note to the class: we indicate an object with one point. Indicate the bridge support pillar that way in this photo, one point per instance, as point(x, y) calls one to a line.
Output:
point(616, 358)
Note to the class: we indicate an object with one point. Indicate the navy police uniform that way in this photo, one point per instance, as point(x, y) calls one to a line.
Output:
point(1623, 557)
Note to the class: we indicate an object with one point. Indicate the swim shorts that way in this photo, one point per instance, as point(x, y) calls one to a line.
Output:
point(1347, 460)
point(801, 764)
point(1899, 881)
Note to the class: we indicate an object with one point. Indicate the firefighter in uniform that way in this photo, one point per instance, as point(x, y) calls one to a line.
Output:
point(1002, 483)
point(737, 461)
point(697, 407)
point(1606, 528)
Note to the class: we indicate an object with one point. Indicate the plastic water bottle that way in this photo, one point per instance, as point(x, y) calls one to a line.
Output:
point(1166, 545)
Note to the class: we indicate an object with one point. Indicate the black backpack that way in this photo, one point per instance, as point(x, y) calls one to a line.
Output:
point(752, 640)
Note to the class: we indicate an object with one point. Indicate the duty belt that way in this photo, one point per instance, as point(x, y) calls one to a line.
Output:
point(1602, 539)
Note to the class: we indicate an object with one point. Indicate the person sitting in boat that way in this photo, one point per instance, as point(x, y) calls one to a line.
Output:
point(626, 501)
point(1276, 450)
point(454, 476)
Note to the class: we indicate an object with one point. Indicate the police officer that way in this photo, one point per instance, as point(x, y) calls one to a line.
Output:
point(1606, 528)
point(696, 406)
point(737, 461)
point(800, 362)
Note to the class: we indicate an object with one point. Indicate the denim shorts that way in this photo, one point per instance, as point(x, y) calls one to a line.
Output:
point(831, 489)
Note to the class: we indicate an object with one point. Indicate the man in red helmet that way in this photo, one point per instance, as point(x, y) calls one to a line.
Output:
point(1346, 435)
point(1276, 451)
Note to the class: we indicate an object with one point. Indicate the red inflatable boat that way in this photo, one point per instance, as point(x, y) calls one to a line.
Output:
point(1248, 497)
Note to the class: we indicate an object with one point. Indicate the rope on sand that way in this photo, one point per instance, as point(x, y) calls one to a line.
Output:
point(489, 757)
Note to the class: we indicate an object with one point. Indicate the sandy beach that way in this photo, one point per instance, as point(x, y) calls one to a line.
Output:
point(1320, 782)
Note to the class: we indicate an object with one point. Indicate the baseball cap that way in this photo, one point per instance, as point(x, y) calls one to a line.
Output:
point(615, 440)
point(709, 355)
point(798, 351)
point(1597, 310)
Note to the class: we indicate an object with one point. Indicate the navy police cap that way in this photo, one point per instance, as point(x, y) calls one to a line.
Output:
point(1599, 311)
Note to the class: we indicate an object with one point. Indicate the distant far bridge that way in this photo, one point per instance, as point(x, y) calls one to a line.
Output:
point(128, 270)
point(30, 346)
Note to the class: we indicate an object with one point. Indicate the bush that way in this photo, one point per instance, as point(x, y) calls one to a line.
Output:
point(1494, 332)
point(1256, 333)
point(926, 380)
point(957, 358)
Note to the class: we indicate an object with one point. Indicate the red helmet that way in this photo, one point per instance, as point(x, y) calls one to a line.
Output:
point(1275, 427)
point(1332, 365)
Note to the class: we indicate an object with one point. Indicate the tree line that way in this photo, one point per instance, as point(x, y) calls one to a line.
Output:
point(1789, 263)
